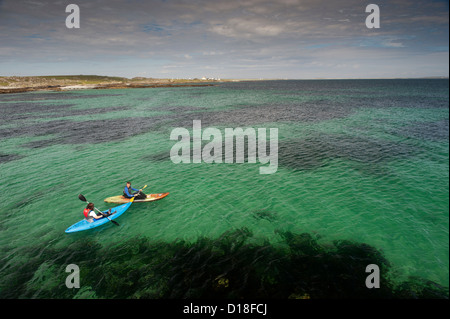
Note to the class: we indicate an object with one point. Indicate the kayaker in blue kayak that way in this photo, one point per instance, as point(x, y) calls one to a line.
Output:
point(127, 192)
point(89, 213)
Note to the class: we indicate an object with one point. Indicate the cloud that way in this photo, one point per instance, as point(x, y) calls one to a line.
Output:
point(227, 35)
point(248, 28)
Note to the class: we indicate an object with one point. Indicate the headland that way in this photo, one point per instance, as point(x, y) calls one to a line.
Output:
point(18, 84)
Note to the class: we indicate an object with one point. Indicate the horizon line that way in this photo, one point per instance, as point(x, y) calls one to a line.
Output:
point(235, 79)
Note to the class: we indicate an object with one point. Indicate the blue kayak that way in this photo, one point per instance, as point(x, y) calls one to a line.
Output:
point(85, 225)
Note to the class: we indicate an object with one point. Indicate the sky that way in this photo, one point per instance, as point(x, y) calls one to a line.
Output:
point(228, 39)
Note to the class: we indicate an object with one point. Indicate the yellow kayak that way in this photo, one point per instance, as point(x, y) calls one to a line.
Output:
point(120, 199)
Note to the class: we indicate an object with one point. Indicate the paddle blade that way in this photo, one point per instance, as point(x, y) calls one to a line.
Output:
point(82, 198)
point(131, 199)
point(115, 223)
point(144, 187)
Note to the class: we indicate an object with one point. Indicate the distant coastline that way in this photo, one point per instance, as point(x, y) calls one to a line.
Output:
point(20, 84)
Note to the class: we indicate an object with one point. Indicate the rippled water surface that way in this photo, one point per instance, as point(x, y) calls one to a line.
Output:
point(359, 160)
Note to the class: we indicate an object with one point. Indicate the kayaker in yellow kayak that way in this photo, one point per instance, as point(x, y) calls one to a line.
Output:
point(127, 192)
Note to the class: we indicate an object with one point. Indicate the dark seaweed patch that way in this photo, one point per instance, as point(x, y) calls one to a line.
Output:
point(248, 115)
point(434, 131)
point(45, 96)
point(367, 154)
point(94, 131)
point(313, 152)
point(226, 267)
point(9, 157)
point(42, 143)
point(26, 111)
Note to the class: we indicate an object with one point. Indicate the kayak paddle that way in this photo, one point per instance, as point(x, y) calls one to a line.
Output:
point(141, 189)
point(83, 199)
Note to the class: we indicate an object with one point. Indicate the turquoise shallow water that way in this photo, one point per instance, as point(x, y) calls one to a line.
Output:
point(365, 161)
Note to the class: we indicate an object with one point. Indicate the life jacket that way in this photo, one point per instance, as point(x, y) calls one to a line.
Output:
point(86, 212)
point(129, 192)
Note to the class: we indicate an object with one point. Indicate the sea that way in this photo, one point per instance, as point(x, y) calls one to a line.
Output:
point(362, 178)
